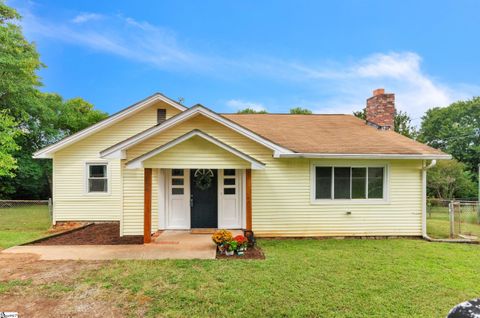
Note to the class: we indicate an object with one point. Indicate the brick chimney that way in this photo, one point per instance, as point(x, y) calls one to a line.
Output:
point(380, 111)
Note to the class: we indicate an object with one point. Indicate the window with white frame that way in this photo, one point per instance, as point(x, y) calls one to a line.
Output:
point(346, 183)
point(97, 177)
point(178, 182)
point(229, 182)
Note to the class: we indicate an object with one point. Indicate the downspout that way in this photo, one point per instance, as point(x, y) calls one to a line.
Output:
point(424, 196)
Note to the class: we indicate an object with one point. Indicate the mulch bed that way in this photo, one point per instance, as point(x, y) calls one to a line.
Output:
point(65, 227)
point(94, 234)
point(251, 253)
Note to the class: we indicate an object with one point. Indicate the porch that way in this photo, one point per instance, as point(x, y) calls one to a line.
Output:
point(193, 181)
point(196, 199)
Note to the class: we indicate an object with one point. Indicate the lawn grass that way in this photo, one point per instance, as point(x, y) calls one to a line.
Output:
point(22, 224)
point(299, 278)
point(438, 223)
point(302, 278)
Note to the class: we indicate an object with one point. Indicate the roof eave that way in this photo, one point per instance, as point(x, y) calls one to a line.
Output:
point(39, 155)
point(48, 151)
point(363, 156)
point(138, 162)
point(197, 109)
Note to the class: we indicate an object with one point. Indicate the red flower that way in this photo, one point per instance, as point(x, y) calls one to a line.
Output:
point(240, 239)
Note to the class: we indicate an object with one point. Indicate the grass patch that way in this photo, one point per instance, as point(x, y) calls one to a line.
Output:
point(57, 289)
point(11, 284)
point(328, 278)
point(22, 224)
point(438, 223)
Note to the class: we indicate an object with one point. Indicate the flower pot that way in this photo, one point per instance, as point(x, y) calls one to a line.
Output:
point(229, 253)
point(221, 249)
point(241, 252)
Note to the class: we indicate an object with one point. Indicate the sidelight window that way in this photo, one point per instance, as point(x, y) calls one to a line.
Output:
point(229, 182)
point(178, 182)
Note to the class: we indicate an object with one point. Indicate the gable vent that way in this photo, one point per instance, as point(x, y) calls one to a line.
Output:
point(161, 115)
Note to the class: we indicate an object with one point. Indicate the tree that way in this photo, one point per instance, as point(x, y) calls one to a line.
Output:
point(57, 118)
point(362, 114)
point(450, 179)
point(300, 111)
point(19, 61)
point(455, 129)
point(41, 117)
point(249, 110)
point(8, 132)
point(402, 123)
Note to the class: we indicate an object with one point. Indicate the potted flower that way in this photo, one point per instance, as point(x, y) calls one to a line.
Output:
point(241, 244)
point(220, 238)
point(231, 247)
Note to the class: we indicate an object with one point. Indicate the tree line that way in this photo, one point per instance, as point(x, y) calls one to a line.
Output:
point(31, 119)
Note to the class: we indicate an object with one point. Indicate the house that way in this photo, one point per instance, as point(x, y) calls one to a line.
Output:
point(160, 165)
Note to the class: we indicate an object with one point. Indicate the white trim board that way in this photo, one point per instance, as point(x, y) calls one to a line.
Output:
point(360, 156)
point(127, 112)
point(115, 151)
point(138, 162)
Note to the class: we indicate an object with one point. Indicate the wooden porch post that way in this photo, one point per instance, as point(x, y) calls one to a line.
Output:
point(248, 195)
point(147, 205)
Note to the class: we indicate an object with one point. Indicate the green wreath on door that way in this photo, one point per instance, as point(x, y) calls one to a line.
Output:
point(203, 178)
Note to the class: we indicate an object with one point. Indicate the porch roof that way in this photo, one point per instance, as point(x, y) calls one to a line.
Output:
point(118, 150)
point(246, 161)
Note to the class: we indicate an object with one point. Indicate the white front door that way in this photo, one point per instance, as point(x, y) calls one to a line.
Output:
point(229, 207)
point(178, 202)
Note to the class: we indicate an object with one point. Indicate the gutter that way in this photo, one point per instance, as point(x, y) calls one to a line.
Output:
point(361, 156)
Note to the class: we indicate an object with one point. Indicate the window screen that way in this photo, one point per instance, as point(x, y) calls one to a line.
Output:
point(341, 183)
point(97, 178)
point(323, 182)
point(359, 183)
point(375, 183)
point(349, 182)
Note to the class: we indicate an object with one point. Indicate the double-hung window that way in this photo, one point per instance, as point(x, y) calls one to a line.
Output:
point(97, 178)
point(346, 183)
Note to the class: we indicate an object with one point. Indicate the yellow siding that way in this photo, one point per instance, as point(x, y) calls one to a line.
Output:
point(281, 193)
point(132, 223)
point(209, 127)
point(71, 202)
point(282, 202)
point(133, 187)
point(196, 152)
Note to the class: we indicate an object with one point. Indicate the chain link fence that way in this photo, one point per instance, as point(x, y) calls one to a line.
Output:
point(453, 219)
point(22, 206)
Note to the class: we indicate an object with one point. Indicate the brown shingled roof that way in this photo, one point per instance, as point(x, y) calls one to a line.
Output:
point(329, 134)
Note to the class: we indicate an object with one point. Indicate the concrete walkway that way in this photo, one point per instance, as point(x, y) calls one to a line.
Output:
point(168, 245)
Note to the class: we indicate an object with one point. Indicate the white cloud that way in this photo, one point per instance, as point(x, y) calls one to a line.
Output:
point(117, 35)
point(85, 17)
point(237, 104)
point(350, 84)
point(327, 86)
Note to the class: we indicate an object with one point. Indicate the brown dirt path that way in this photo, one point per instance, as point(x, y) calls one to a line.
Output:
point(36, 288)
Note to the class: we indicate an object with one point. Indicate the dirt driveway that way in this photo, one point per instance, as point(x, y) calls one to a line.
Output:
point(36, 288)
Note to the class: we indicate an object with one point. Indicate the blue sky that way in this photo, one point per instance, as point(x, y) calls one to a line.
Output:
point(324, 55)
